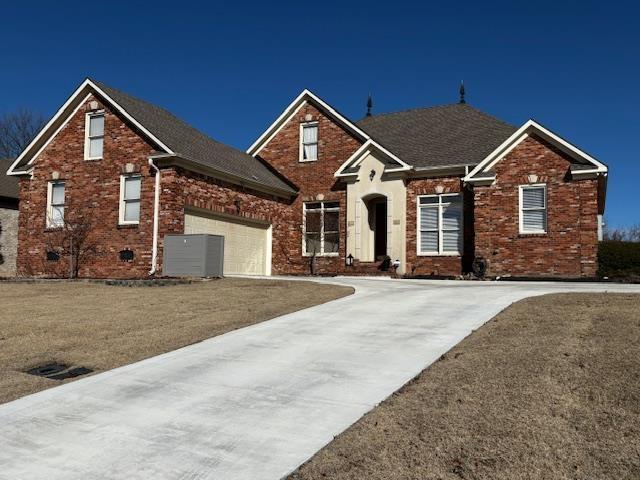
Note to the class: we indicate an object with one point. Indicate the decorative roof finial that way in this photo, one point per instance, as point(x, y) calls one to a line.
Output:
point(369, 105)
point(462, 100)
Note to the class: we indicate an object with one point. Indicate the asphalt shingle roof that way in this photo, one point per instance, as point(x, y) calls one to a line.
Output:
point(455, 134)
point(194, 145)
point(8, 185)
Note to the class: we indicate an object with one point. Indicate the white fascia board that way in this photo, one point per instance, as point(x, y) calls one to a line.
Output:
point(291, 110)
point(49, 124)
point(522, 133)
point(87, 84)
point(361, 154)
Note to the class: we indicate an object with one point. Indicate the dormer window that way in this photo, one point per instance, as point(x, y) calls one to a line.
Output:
point(309, 142)
point(94, 136)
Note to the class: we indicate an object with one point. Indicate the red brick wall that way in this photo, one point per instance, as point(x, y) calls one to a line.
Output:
point(183, 189)
point(446, 265)
point(569, 247)
point(313, 179)
point(94, 187)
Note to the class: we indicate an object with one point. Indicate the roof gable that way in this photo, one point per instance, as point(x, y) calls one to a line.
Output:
point(586, 164)
point(171, 135)
point(304, 97)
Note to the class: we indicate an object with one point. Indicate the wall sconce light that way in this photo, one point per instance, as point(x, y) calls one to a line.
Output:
point(349, 260)
point(372, 174)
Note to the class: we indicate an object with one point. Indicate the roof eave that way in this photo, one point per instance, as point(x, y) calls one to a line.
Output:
point(191, 165)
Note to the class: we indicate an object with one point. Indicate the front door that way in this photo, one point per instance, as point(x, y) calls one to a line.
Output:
point(380, 234)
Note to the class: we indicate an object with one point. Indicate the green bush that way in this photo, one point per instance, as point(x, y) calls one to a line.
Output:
point(620, 260)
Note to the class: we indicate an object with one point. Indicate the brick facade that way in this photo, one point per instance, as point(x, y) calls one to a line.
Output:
point(569, 248)
point(314, 180)
point(94, 187)
point(445, 265)
point(491, 227)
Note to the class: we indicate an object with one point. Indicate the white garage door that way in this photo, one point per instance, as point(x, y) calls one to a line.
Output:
point(247, 248)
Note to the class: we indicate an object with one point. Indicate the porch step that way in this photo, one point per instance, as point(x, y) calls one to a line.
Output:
point(367, 268)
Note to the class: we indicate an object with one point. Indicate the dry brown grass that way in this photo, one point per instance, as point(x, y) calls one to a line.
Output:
point(549, 389)
point(102, 327)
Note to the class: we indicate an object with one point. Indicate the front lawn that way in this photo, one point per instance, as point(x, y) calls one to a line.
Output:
point(102, 327)
point(549, 389)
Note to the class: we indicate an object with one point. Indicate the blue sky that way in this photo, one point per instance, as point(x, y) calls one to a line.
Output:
point(229, 68)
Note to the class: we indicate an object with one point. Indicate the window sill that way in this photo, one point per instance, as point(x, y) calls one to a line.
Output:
point(308, 161)
point(439, 254)
point(128, 225)
point(53, 229)
point(532, 234)
point(308, 255)
point(93, 159)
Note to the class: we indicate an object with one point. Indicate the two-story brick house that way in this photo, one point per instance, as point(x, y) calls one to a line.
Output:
point(432, 188)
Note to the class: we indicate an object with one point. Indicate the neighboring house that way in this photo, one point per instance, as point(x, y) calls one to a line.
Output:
point(8, 220)
point(433, 188)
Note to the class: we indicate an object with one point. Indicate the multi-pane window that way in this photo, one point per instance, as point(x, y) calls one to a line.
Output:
point(533, 209)
point(130, 199)
point(440, 224)
point(321, 228)
point(94, 141)
point(55, 205)
point(308, 142)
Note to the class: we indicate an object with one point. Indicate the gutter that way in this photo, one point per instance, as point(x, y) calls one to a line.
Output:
point(156, 213)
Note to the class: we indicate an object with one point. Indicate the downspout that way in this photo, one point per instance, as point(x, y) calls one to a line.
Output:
point(156, 213)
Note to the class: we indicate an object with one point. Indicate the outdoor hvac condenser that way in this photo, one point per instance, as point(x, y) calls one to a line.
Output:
point(193, 255)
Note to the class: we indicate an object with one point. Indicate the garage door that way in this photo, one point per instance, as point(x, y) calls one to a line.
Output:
point(246, 244)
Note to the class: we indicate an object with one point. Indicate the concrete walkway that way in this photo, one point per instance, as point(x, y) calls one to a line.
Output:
point(257, 402)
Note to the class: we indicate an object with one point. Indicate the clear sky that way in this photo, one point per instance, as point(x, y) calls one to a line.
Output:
point(229, 68)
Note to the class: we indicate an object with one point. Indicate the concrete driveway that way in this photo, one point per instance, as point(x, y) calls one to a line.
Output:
point(257, 402)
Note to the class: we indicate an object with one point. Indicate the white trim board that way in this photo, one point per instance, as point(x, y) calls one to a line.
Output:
point(64, 113)
point(293, 108)
point(531, 126)
point(362, 152)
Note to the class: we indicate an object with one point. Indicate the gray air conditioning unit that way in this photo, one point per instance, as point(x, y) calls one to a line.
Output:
point(195, 255)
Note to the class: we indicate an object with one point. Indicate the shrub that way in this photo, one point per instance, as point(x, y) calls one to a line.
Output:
point(620, 260)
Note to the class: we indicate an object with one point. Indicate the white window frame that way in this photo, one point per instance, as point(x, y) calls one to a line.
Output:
point(322, 211)
point(521, 188)
point(87, 138)
point(121, 220)
point(440, 252)
point(50, 205)
point(302, 144)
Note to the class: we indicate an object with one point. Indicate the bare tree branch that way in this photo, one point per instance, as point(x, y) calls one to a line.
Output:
point(74, 239)
point(623, 234)
point(17, 129)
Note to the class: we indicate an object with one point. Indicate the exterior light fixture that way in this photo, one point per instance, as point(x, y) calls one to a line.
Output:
point(372, 174)
point(349, 260)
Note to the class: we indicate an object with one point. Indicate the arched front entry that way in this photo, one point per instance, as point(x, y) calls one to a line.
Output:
point(376, 214)
point(377, 220)
point(373, 231)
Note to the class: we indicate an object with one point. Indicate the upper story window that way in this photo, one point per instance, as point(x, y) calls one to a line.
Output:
point(309, 142)
point(533, 208)
point(55, 204)
point(440, 224)
point(321, 228)
point(130, 199)
point(94, 136)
